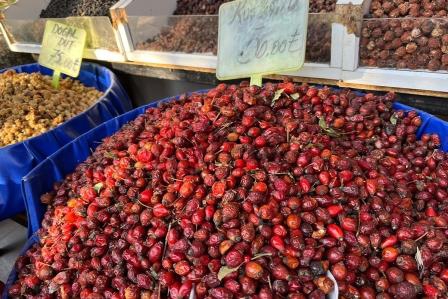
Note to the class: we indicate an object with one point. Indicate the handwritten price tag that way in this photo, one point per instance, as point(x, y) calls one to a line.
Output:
point(62, 49)
point(6, 3)
point(259, 37)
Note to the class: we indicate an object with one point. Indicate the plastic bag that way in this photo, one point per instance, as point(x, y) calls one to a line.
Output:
point(18, 159)
point(430, 124)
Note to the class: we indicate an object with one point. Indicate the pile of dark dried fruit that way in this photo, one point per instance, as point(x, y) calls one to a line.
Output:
point(198, 7)
point(408, 8)
point(405, 43)
point(65, 8)
point(248, 192)
point(406, 34)
point(211, 7)
point(200, 35)
point(322, 6)
point(187, 35)
point(318, 42)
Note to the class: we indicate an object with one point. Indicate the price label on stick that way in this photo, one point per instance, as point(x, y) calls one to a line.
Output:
point(62, 49)
point(260, 37)
point(6, 3)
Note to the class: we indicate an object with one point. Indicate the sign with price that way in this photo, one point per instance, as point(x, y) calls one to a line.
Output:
point(259, 37)
point(6, 3)
point(62, 49)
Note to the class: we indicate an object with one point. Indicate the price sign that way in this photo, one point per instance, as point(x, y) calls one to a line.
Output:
point(259, 37)
point(62, 49)
point(6, 3)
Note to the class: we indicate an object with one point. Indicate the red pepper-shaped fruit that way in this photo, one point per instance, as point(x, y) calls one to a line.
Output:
point(145, 196)
point(389, 241)
point(334, 210)
point(160, 211)
point(335, 231)
point(278, 243)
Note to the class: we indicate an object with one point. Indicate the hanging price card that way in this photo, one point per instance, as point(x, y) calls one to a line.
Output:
point(6, 3)
point(62, 49)
point(258, 37)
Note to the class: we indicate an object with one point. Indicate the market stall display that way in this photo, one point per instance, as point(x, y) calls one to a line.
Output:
point(63, 8)
point(199, 35)
point(211, 7)
point(186, 34)
point(23, 26)
point(36, 120)
point(405, 35)
point(244, 190)
point(408, 8)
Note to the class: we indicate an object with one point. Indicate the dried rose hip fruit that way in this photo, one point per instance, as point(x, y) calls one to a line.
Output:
point(232, 194)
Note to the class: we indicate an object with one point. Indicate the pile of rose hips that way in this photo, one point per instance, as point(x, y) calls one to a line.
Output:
point(248, 192)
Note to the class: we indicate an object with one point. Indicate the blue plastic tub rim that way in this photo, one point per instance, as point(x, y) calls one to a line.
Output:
point(21, 157)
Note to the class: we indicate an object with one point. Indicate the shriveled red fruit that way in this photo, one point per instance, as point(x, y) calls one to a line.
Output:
point(182, 268)
point(279, 271)
point(186, 189)
point(334, 210)
point(339, 271)
point(230, 211)
point(144, 281)
point(146, 195)
point(444, 275)
point(218, 189)
point(406, 263)
point(335, 231)
point(271, 194)
point(160, 211)
point(260, 187)
point(220, 293)
point(389, 241)
point(225, 246)
point(349, 224)
point(293, 221)
point(430, 291)
point(234, 258)
point(325, 284)
point(390, 254)
point(253, 270)
point(394, 275)
point(278, 243)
